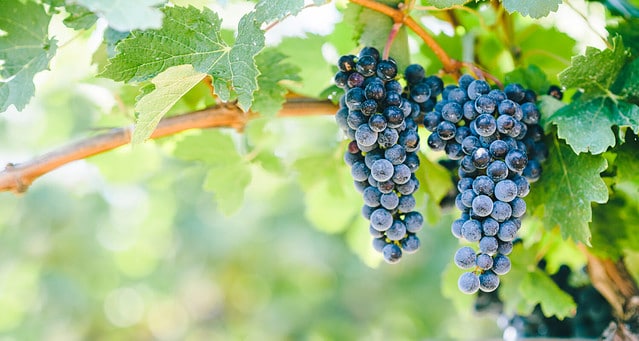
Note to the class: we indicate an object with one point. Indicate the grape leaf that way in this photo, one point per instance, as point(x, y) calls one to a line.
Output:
point(228, 173)
point(274, 70)
point(190, 36)
point(537, 286)
point(596, 117)
point(627, 85)
point(532, 8)
point(372, 28)
point(620, 212)
point(170, 86)
point(129, 15)
point(25, 49)
point(627, 29)
point(531, 77)
point(80, 18)
point(595, 71)
point(627, 160)
point(568, 185)
point(447, 3)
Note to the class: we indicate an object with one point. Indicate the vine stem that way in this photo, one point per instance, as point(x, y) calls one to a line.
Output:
point(450, 65)
point(17, 177)
point(391, 38)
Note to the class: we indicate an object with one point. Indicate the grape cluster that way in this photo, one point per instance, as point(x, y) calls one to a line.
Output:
point(379, 118)
point(496, 139)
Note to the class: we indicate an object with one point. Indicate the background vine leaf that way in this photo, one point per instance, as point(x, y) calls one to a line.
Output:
point(564, 194)
point(25, 49)
point(190, 36)
point(170, 86)
point(532, 8)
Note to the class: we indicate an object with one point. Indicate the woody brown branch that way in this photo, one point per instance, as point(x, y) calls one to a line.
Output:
point(17, 177)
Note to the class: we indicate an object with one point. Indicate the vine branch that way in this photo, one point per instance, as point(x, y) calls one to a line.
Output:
point(17, 177)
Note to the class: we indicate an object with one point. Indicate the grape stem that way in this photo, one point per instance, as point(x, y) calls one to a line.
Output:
point(391, 38)
point(450, 65)
point(18, 177)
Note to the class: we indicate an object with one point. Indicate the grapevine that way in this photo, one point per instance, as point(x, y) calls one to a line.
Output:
point(203, 159)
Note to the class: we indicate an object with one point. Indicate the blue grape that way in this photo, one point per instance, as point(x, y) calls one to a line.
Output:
point(501, 264)
point(411, 243)
point(456, 227)
point(518, 206)
point(381, 219)
point(414, 73)
point(507, 231)
point(395, 154)
point(406, 203)
point(516, 160)
point(387, 138)
point(392, 253)
point(484, 261)
point(497, 170)
point(490, 227)
point(485, 125)
point(381, 170)
point(501, 211)
point(468, 283)
point(485, 105)
point(471, 230)
point(401, 174)
point(477, 88)
point(488, 281)
point(389, 200)
point(371, 196)
point(482, 205)
point(365, 136)
point(397, 231)
point(359, 171)
point(379, 243)
point(413, 221)
point(432, 120)
point(506, 190)
point(465, 258)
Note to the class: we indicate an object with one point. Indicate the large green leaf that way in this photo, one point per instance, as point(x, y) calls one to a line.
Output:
point(568, 185)
point(25, 49)
point(531, 77)
point(170, 86)
point(190, 36)
point(539, 287)
point(275, 70)
point(532, 8)
point(587, 124)
point(597, 70)
point(228, 173)
point(127, 15)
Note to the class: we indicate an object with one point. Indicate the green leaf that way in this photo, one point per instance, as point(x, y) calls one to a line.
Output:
point(587, 124)
point(372, 29)
point(447, 3)
point(25, 50)
point(568, 185)
point(80, 18)
point(267, 11)
point(531, 77)
point(300, 50)
point(627, 160)
point(627, 85)
point(548, 105)
point(170, 86)
point(595, 71)
point(228, 173)
point(139, 14)
point(532, 8)
point(537, 286)
point(190, 36)
point(274, 70)
point(627, 29)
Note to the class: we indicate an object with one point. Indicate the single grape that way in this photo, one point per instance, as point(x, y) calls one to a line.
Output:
point(505, 248)
point(482, 205)
point(420, 92)
point(484, 261)
point(468, 283)
point(471, 230)
point(411, 243)
point(497, 170)
point(490, 227)
point(414, 73)
point(401, 174)
point(501, 264)
point(381, 219)
point(457, 95)
point(386, 70)
point(346, 63)
point(375, 91)
point(456, 227)
point(506, 190)
point(518, 206)
point(374, 233)
point(359, 171)
point(395, 154)
point(465, 258)
point(389, 200)
point(413, 221)
point(515, 92)
point(498, 149)
point(452, 112)
point(366, 65)
point(477, 88)
point(406, 203)
point(485, 105)
point(355, 79)
point(488, 281)
point(367, 211)
point(464, 81)
point(516, 160)
point(387, 138)
point(501, 210)
point(381, 170)
point(470, 144)
point(507, 231)
point(481, 158)
point(446, 130)
point(412, 161)
point(397, 231)
point(371, 196)
point(485, 125)
point(379, 243)
point(392, 253)
point(365, 136)
point(435, 142)
point(454, 150)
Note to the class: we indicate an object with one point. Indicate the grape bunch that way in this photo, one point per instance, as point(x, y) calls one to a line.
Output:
point(495, 137)
point(379, 118)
